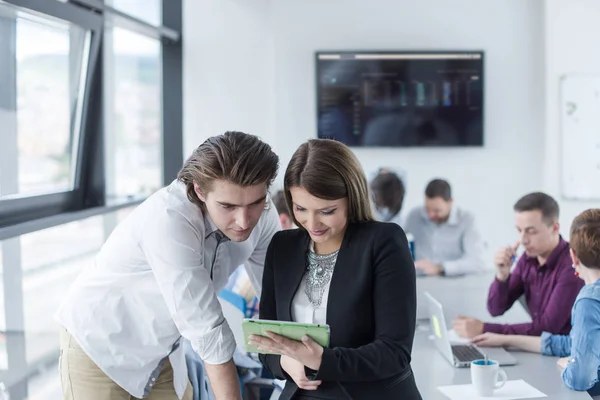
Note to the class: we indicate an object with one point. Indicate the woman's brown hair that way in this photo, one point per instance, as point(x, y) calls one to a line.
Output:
point(585, 237)
point(329, 170)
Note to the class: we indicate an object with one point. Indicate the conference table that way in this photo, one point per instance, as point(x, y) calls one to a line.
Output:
point(467, 296)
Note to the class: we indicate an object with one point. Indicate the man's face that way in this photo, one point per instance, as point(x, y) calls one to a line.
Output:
point(234, 209)
point(537, 237)
point(438, 209)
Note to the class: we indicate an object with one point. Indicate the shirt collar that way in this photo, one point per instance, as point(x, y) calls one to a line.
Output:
point(209, 225)
point(452, 218)
point(552, 260)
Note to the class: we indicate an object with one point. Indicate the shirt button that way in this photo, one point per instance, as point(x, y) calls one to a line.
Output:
point(153, 379)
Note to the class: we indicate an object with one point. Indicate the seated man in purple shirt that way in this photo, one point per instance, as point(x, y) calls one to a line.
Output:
point(543, 274)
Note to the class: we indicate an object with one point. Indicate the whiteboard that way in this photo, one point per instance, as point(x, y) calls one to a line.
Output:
point(580, 141)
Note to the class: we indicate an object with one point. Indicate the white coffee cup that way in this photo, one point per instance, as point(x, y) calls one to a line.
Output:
point(487, 376)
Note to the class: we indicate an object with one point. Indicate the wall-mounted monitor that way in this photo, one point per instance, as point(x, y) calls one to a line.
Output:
point(400, 99)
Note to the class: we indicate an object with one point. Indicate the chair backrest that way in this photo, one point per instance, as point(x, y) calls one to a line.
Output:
point(234, 311)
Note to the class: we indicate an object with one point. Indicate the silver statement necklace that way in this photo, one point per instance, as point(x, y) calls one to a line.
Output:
point(319, 272)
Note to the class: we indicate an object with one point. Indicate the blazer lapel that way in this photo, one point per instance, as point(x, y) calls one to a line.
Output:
point(293, 276)
point(341, 274)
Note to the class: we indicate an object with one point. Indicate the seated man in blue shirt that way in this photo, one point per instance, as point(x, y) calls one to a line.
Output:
point(446, 239)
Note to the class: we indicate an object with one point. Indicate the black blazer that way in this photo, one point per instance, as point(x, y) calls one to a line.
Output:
point(371, 311)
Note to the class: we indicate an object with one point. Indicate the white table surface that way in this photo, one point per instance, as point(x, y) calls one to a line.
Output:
point(467, 296)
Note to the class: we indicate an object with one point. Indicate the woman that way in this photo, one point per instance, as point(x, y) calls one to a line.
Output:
point(346, 270)
point(580, 350)
point(388, 195)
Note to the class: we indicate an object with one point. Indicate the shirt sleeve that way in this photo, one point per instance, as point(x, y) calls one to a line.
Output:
point(411, 223)
point(582, 369)
point(502, 295)
point(553, 317)
point(472, 246)
point(555, 345)
point(256, 263)
point(174, 250)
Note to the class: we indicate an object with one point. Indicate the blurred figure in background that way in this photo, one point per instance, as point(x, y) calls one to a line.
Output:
point(387, 190)
point(447, 241)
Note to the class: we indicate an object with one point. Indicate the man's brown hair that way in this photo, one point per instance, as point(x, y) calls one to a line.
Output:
point(235, 157)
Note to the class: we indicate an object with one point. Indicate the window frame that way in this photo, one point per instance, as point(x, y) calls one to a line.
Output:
point(22, 213)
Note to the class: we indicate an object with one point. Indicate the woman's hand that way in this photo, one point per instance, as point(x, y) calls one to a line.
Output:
point(296, 371)
point(307, 352)
point(489, 339)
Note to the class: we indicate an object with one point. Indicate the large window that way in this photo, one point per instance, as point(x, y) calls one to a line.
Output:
point(149, 11)
point(81, 143)
point(133, 99)
point(51, 259)
point(40, 113)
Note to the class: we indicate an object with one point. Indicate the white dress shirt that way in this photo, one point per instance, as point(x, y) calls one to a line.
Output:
point(302, 309)
point(151, 283)
point(456, 244)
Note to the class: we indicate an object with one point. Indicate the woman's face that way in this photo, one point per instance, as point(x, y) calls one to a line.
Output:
point(325, 220)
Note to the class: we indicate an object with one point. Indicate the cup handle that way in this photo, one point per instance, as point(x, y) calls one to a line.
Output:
point(500, 379)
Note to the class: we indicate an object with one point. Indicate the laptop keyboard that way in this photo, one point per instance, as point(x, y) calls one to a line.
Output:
point(466, 353)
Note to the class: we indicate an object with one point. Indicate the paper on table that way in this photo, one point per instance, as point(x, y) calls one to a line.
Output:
point(512, 390)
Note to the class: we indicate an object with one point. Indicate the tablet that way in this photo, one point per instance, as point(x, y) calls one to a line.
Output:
point(292, 330)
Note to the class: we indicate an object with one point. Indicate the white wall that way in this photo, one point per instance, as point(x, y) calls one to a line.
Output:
point(269, 89)
point(571, 32)
point(485, 180)
point(227, 67)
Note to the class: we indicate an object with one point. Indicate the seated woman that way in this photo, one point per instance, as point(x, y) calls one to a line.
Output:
point(580, 350)
point(343, 269)
point(388, 192)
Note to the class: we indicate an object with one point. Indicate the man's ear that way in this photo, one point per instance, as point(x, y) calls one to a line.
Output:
point(198, 193)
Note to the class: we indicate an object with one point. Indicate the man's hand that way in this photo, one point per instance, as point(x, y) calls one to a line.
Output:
point(428, 267)
point(563, 362)
point(296, 371)
point(504, 259)
point(307, 352)
point(467, 327)
point(489, 339)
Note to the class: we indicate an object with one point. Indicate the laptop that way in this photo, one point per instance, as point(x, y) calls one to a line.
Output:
point(460, 355)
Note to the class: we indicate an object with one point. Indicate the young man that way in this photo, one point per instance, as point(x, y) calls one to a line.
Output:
point(543, 274)
point(446, 239)
point(156, 278)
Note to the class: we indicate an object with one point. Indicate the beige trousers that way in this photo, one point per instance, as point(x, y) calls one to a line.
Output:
point(81, 379)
